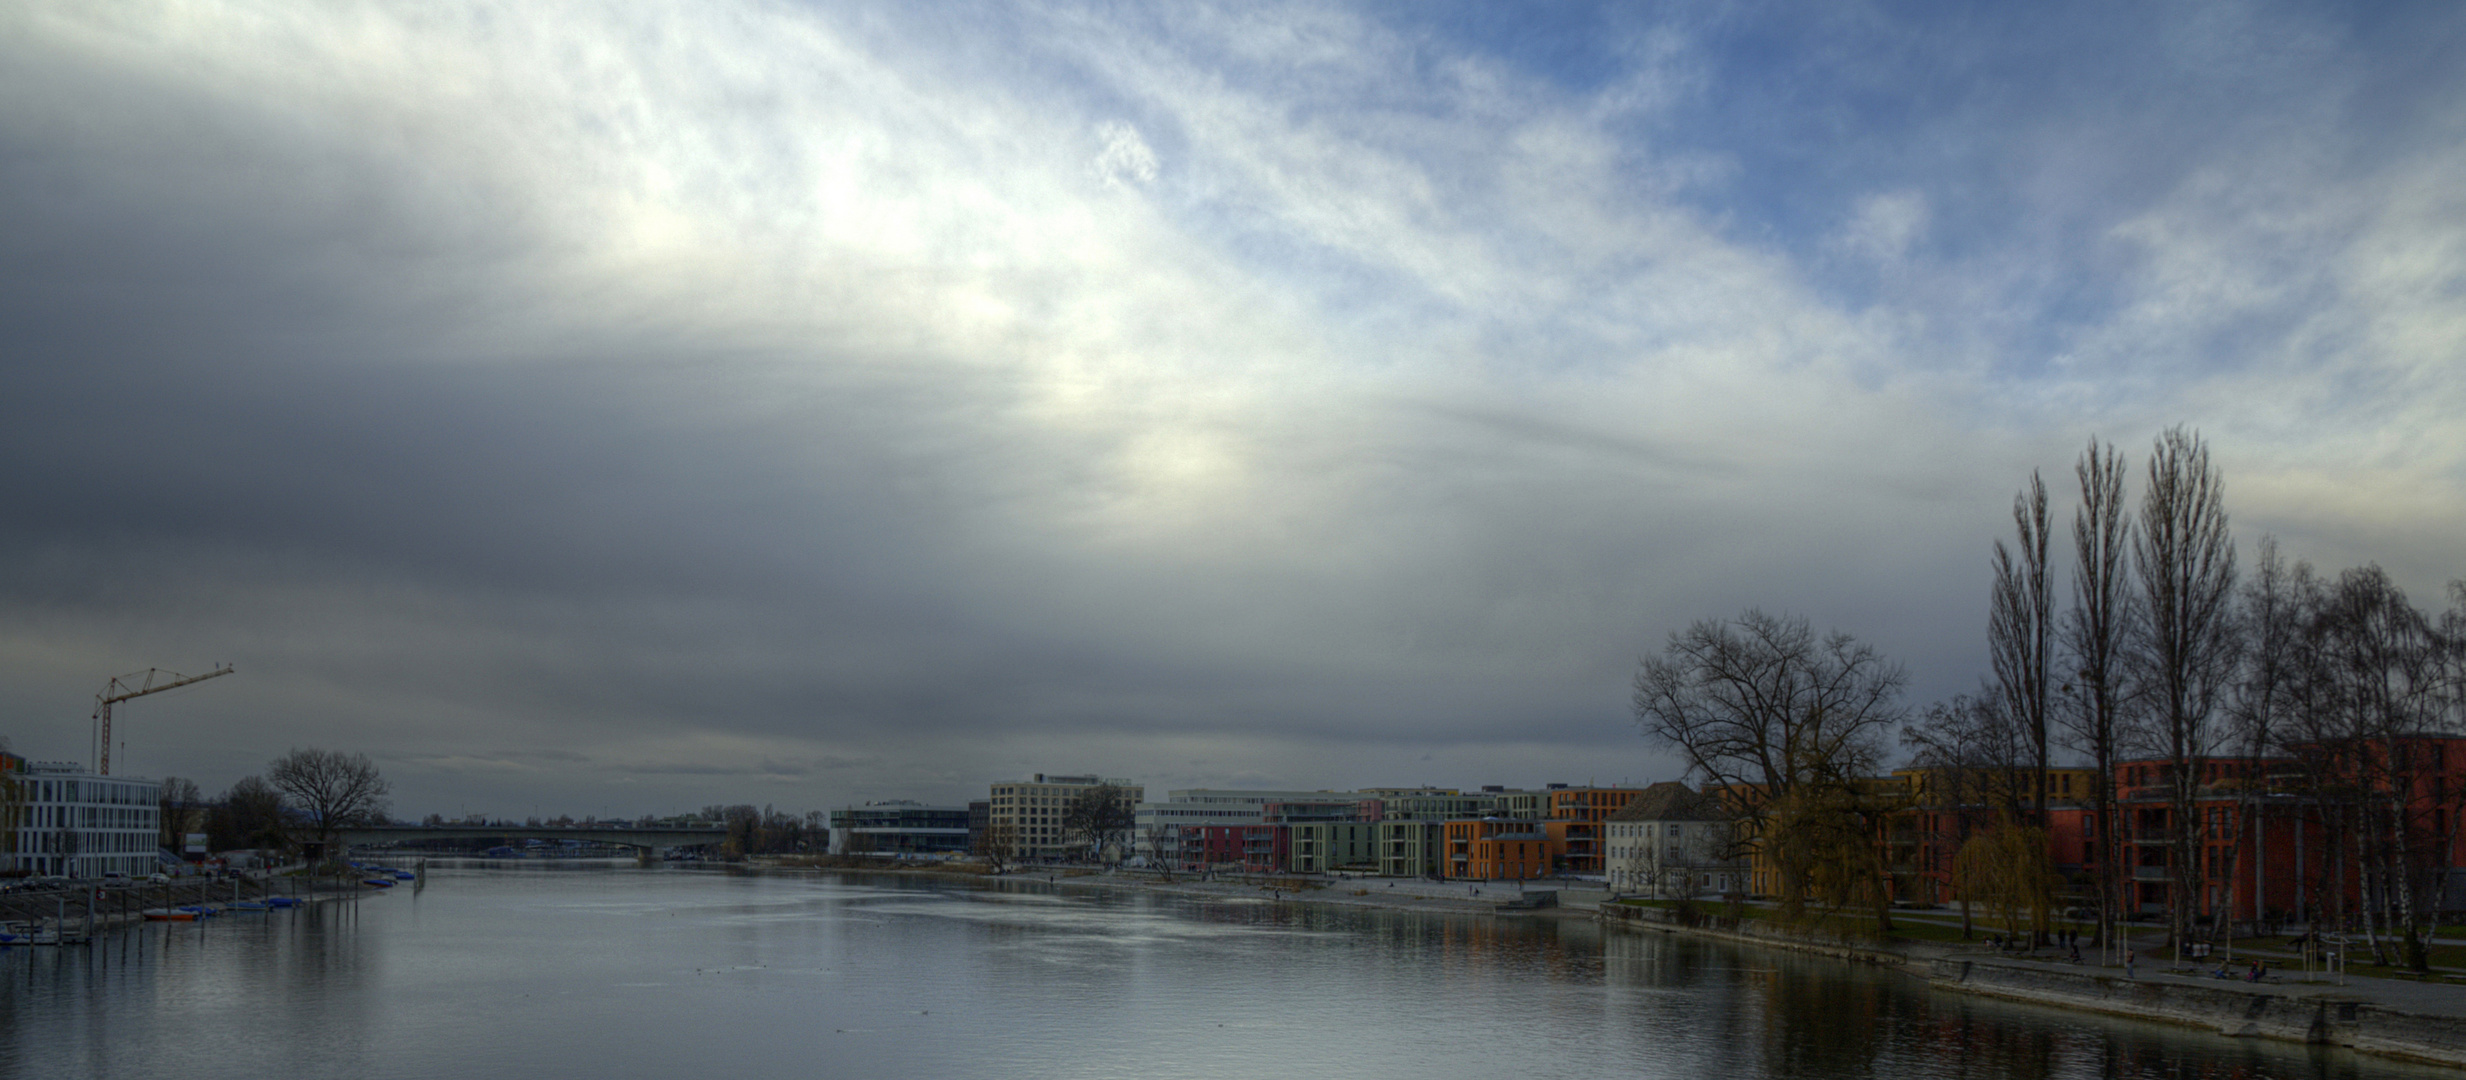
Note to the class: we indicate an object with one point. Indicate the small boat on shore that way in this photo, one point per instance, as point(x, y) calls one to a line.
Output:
point(170, 915)
point(282, 901)
point(382, 883)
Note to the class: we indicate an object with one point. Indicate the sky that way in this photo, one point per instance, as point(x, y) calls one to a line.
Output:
point(621, 408)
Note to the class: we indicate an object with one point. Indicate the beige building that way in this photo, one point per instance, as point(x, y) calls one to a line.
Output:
point(1672, 841)
point(1028, 814)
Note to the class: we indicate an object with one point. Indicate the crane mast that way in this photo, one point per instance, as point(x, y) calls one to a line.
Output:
point(136, 685)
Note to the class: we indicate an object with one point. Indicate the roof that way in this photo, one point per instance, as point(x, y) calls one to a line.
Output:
point(1670, 800)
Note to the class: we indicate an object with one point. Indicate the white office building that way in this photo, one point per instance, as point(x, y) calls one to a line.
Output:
point(73, 823)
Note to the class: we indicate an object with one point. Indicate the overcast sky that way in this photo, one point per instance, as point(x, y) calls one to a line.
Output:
point(622, 408)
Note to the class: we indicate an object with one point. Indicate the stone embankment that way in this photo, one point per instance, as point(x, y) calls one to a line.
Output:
point(2413, 1022)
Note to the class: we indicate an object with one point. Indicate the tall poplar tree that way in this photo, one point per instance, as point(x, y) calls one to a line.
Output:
point(2020, 630)
point(2185, 654)
point(2094, 634)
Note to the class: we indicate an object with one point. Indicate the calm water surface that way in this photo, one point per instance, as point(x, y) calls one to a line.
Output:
point(546, 971)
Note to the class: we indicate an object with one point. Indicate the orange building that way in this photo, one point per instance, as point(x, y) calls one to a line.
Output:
point(1495, 849)
point(1584, 810)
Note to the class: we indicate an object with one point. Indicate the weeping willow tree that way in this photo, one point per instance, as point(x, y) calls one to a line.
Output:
point(2005, 870)
point(1828, 838)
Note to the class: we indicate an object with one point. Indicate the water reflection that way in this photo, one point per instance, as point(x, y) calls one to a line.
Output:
point(619, 971)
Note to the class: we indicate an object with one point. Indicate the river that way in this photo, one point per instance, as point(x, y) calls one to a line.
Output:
point(545, 971)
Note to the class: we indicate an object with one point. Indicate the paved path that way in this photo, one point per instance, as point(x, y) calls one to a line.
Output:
point(2420, 998)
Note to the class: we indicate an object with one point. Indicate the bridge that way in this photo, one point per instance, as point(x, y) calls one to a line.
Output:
point(649, 841)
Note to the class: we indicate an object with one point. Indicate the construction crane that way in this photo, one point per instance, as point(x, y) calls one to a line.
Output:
point(133, 685)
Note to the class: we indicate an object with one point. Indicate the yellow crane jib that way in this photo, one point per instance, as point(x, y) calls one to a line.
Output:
point(133, 685)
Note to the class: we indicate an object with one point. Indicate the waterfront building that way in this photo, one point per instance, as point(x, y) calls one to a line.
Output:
point(1942, 808)
point(1323, 847)
point(1166, 833)
point(1431, 804)
point(899, 827)
point(1026, 816)
point(1518, 804)
point(1672, 841)
point(1412, 848)
point(1584, 809)
point(75, 823)
point(1504, 849)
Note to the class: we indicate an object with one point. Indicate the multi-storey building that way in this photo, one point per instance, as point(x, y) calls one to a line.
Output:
point(901, 827)
point(74, 823)
point(1504, 849)
point(1167, 831)
point(1412, 848)
point(1584, 810)
point(1431, 804)
point(1321, 847)
point(1673, 841)
point(1027, 816)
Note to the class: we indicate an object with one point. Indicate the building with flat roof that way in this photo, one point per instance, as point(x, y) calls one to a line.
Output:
point(899, 827)
point(79, 824)
point(1026, 816)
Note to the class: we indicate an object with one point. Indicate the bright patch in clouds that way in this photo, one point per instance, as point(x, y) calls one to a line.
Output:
point(796, 404)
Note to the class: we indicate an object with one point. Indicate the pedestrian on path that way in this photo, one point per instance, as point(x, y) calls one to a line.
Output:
point(2129, 957)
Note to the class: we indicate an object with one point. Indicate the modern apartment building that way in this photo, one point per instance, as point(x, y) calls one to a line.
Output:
point(1027, 815)
point(1412, 848)
point(1168, 830)
point(74, 823)
point(1326, 847)
point(899, 826)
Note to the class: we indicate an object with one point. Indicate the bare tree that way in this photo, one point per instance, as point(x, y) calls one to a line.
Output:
point(12, 807)
point(2385, 660)
point(2095, 631)
point(2020, 631)
point(179, 811)
point(1976, 761)
point(248, 815)
point(2276, 602)
point(999, 847)
point(1784, 723)
point(1164, 848)
point(1102, 817)
point(330, 789)
point(2185, 656)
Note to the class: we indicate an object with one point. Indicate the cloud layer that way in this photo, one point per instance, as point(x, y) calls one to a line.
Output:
point(634, 407)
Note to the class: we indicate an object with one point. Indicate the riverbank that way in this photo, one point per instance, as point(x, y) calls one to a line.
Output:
point(1454, 898)
point(2410, 1021)
point(76, 916)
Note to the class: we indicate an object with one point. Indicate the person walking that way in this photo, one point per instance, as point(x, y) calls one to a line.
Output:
point(2129, 957)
